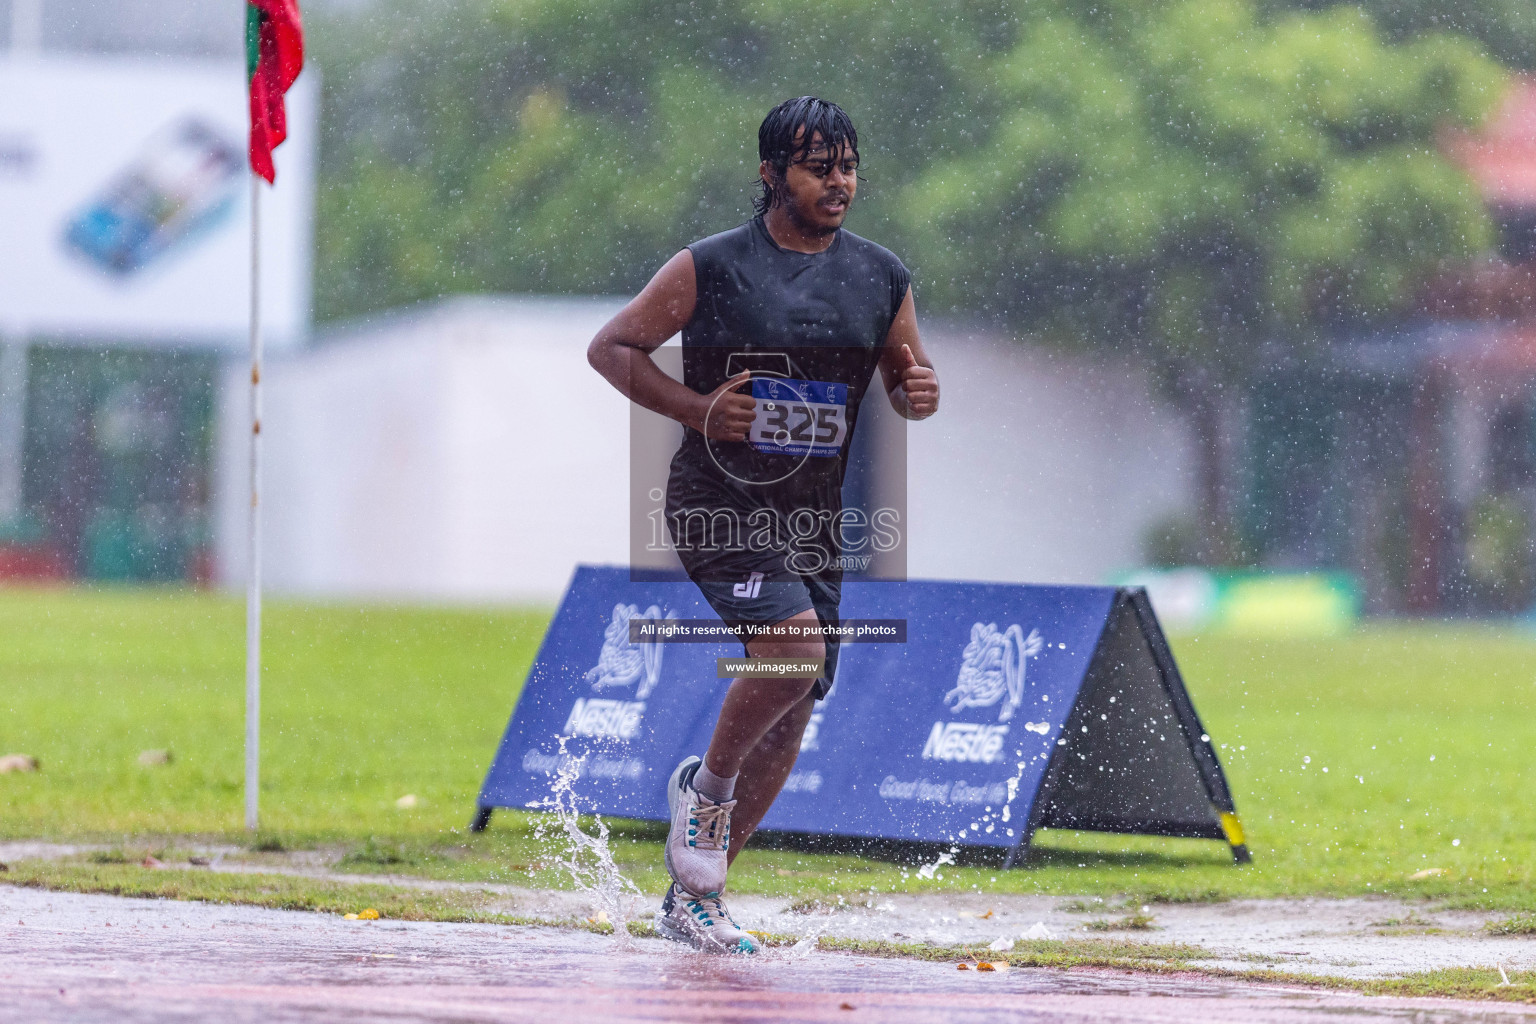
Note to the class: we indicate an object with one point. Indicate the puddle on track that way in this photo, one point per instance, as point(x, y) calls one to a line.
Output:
point(83, 958)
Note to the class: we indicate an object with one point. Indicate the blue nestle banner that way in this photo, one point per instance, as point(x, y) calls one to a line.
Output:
point(945, 737)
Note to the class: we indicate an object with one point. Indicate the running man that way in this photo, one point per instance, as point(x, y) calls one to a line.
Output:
point(784, 321)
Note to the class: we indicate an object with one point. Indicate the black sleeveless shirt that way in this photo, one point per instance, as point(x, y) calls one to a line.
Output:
point(816, 322)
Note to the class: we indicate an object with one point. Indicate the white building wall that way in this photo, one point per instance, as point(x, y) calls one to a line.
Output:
point(349, 467)
point(1039, 467)
point(537, 454)
point(467, 452)
point(460, 452)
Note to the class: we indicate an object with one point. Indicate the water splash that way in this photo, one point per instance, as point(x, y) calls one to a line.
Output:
point(929, 871)
point(586, 857)
point(805, 946)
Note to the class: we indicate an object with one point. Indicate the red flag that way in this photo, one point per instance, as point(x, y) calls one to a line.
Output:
point(274, 56)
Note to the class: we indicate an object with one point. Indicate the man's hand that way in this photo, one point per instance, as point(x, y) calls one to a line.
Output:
point(724, 414)
point(920, 386)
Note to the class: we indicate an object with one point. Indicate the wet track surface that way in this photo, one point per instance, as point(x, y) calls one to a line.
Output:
point(66, 957)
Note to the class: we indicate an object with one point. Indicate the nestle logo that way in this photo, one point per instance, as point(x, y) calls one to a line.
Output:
point(963, 741)
point(618, 719)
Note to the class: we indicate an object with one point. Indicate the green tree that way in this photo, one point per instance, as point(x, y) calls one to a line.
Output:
point(1189, 182)
point(1506, 27)
point(551, 145)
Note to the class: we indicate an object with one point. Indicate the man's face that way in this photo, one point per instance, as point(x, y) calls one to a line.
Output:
point(820, 187)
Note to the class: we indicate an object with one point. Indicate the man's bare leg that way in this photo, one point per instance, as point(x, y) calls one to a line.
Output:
point(757, 735)
point(765, 771)
point(754, 706)
point(762, 719)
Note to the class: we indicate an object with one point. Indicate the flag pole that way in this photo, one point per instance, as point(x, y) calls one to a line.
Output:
point(253, 572)
point(274, 55)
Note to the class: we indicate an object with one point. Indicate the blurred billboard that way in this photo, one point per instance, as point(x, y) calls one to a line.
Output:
point(125, 200)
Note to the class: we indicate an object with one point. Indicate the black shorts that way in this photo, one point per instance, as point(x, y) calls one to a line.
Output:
point(753, 578)
point(763, 601)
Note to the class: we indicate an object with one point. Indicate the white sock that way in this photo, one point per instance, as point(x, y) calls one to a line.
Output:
point(713, 786)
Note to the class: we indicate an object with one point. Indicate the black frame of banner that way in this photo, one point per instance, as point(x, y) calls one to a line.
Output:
point(1131, 610)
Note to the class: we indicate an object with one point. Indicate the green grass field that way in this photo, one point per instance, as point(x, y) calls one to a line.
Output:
point(1357, 761)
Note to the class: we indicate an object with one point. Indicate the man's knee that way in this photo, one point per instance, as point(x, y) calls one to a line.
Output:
point(782, 645)
point(812, 652)
point(787, 647)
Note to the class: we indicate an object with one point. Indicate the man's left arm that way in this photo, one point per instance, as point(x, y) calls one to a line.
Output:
point(905, 369)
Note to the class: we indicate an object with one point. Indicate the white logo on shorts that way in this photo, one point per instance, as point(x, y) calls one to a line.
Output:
point(751, 588)
point(992, 668)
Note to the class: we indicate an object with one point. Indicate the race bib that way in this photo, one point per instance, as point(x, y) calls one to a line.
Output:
point(799, 417)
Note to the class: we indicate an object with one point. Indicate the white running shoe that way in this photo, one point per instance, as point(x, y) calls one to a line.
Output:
point(702, 922)
point(699, 836)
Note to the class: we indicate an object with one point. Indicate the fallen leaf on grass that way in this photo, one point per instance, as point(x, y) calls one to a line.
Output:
point(18, 763)
point(406, 802)
point(151, 862)
point(153, 757)
point(1426, 873)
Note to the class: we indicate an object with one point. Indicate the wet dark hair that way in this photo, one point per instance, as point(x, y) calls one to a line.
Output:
point(777, 146)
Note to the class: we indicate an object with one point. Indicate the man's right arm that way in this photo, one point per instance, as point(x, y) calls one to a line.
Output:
point(621, 352)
